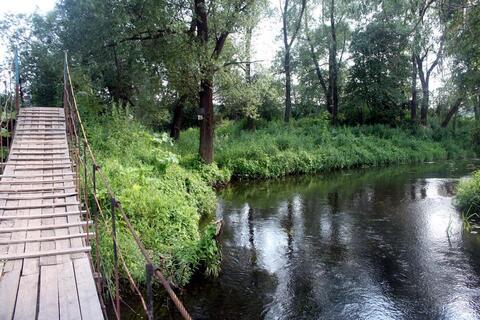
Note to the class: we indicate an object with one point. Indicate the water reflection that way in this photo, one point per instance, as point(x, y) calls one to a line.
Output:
point(359, 245)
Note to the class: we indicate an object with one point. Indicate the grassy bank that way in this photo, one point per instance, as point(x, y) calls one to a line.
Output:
point(168, 193)
point(166, 202)
point(312, 145)
point(468, 197)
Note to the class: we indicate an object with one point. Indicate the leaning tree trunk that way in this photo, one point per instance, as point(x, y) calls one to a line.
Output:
point(288, 86)
point(453, 111)
point(207, 121)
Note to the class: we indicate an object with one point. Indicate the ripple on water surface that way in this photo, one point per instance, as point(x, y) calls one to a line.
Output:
point(369, 244)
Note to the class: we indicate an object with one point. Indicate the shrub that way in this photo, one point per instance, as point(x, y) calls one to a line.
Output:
point(164, 200)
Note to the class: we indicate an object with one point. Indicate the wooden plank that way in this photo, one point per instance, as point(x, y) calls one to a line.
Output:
point(52, 238)
point(38, 254)
point(36, 153)
point(87, 293)
point(44, 227)
point(37, 159)
point(37, 175)
point(55, 147)
point(26, 305)
point(42, 188)
point(10, 278)
point(42, 215)
point(31, 206)
point(34, 182)
point(48, 301)
point(41, 196)
point(42, 168)
point(67, 292)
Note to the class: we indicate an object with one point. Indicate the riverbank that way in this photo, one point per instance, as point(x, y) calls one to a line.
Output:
point(312, 145)
point(170, 206)
point(169, 194)
point(468, 197)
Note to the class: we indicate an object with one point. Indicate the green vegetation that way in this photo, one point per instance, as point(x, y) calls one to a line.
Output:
point(351, 86)
point(313, 145)
point(468, 197)
point(165, 201)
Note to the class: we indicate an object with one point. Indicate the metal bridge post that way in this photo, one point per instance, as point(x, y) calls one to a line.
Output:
point(115, 259)
point(149, 276)
point(17, 81)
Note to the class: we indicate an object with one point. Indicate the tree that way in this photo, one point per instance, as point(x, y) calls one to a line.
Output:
point(292, 14)
point(378, 79)
point(425, 45)
point(323, 41)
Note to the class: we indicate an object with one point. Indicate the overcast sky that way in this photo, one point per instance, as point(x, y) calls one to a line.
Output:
point(265, 41)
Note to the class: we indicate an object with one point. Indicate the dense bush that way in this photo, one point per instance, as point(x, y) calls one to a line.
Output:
point(312, 145)
point(165, 201)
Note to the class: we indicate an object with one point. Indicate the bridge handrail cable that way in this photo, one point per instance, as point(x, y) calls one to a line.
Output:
point(78, 139)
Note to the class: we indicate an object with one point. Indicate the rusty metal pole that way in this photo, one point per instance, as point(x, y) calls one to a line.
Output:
point(17, 81)
point(115, 260)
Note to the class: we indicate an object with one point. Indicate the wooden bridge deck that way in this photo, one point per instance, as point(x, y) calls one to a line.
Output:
point(45, 270)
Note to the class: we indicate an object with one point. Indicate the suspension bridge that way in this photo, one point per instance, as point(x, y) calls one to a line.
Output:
point(49, 217)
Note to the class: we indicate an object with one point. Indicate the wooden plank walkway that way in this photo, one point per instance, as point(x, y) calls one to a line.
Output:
point(45, 271)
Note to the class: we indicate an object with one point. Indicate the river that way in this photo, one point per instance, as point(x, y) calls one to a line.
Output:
point(382, 243)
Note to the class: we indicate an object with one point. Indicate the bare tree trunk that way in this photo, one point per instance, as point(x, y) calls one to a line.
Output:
point(286, 62)
point(207, 123)
point(248, 70)
point(424, 105)
point(332, 65)
point(177, 118)
point(453, 111)
point(413, 102)
point(286, 65)
point(288, 86)
point(206, 91)
point(476, 109)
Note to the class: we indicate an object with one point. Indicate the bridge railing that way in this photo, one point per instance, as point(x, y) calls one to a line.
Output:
point(106, 216)
point(9, 105)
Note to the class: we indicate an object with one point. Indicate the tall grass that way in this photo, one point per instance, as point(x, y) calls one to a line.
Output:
point(165, 201)
point(468, 198)
point(312, 145)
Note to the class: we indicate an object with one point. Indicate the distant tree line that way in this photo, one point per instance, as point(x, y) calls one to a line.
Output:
point(182, 63)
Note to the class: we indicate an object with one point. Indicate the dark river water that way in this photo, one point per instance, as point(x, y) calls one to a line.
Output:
point(367, 244)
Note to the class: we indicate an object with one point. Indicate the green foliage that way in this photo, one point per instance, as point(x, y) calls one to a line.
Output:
point(164, 200)
point(312, 145)
point(378, 79)
point(468, 196)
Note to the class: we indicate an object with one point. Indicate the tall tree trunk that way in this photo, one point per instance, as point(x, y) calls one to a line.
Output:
point(248, 70)
point(207, 122)
point(453, 111)
point(476, 109)
point(413, 102)
point(177, 118)
point(332, 65)
point(206, 91)
point(424, 105)
point(288, 87)
point(286, 65)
